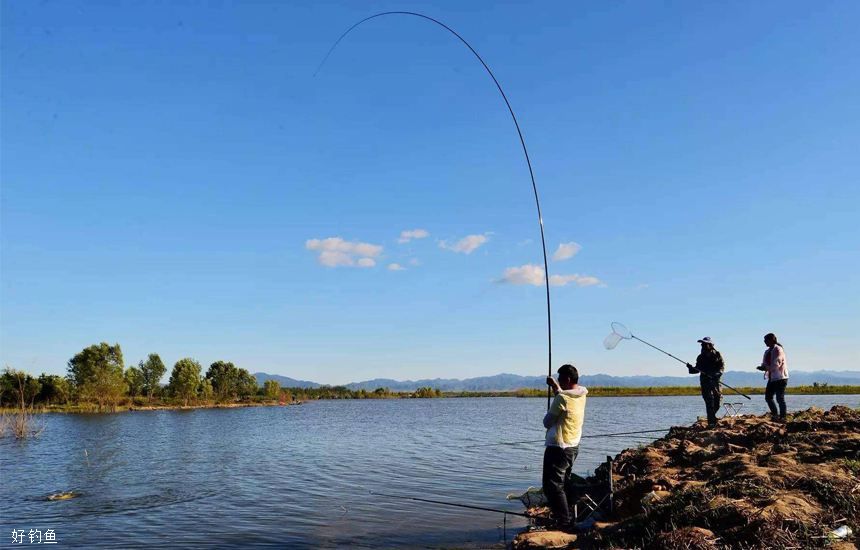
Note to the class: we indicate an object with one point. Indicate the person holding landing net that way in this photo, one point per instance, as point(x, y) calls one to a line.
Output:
point(710, 366)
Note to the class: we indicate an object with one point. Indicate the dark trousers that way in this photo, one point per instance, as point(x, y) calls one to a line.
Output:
point(776, 388)
point(712, 395)
point(557, 465)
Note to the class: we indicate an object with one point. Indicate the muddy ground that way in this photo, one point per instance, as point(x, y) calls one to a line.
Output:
point(749, 483)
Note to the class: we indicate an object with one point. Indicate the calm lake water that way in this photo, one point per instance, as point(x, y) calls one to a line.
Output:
point(300, 476)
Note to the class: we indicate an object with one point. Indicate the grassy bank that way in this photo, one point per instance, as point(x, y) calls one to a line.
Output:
point(299, 395)
point(155, 405)
point(597, 391)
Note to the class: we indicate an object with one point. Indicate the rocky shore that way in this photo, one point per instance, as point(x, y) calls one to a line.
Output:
point(749, 483)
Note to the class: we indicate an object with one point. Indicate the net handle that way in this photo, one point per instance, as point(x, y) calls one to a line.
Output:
point(649, 344)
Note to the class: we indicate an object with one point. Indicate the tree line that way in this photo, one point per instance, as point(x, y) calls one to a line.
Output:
point(342, 392)
point(98, 378)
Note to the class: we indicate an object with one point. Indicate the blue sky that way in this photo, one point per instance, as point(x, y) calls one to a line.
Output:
point(170, 173)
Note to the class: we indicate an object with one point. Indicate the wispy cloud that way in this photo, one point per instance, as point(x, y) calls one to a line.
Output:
point(531, 274)
point(566, 251)
point(466, 245)
point(336, 252)
point(410, 234)
point(396, 267)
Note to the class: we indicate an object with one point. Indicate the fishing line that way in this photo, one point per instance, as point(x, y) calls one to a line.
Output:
point(522, 143)
point(455, 504)
point(620, 332)
point(618, 434)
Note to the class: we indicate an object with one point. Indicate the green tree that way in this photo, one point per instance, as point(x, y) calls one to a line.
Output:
point(425, 392)
point(96, 373)
point(134, 380)
point(205, 390)
point(271, 389)
point(246, 385)
point(225, 379)
point(153, 370)
point(185, 379)
point(18, 389)
point(55, 389)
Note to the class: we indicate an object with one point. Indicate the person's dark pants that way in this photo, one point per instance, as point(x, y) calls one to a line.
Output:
point(776, 388)
point(712, 395)
point(557, 465)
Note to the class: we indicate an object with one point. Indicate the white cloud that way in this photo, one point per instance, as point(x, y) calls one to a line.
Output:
point(578, 280)
point(336, 252)
point(396, 267)
point(528, 274)
point(414, 261)
point(466, 245)
point(409, 234)
point(566, 251)
point(333, 258)
point(531, 274)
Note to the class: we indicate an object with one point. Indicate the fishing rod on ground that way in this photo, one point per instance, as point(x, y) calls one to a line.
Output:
point(522, 143)
point(620, 332)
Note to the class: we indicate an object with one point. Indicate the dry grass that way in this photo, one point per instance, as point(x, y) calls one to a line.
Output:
point(751, 483)
point(762, 484)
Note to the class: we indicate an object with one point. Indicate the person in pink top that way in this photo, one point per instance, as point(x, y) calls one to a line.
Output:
point(775, 370)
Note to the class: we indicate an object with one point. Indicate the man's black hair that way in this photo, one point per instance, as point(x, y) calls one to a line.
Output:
point(570, 372)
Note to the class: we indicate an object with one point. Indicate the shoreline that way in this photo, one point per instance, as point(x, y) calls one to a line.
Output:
point(682, 391)
point(80, 409)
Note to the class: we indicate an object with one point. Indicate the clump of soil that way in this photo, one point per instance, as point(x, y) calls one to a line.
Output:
point(749, 483)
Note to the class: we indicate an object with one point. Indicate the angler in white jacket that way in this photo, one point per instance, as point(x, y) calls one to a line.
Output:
point(563, 423)
point(775, 369)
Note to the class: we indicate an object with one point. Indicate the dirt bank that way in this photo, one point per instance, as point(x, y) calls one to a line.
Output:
point(749, 483)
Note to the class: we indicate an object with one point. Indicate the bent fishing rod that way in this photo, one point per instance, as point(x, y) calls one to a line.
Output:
point(522, 143)
point(454, 504)
point(620, 332)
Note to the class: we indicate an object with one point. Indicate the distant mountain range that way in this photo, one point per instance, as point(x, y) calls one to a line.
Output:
point(510, 382)
point(284, 381)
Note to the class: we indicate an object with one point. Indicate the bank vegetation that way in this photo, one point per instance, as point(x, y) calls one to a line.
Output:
point(98, 380)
